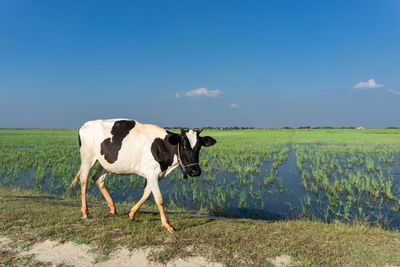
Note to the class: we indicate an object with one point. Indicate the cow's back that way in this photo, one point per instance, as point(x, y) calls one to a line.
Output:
point(120, 145)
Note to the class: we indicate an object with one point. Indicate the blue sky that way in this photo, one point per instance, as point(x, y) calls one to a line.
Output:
point(200, 63)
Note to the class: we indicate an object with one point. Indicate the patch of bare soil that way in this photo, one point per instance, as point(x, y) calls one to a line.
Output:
point(283, 261)
point(4, 241)
point(70, 254)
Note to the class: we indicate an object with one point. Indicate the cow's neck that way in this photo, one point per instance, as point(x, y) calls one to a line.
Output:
point(175, 163)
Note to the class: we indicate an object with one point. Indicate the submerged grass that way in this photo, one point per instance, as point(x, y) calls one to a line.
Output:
point(346, 175)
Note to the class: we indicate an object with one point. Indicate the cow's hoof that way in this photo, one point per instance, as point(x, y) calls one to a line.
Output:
point(131, 216)
point(169, 228)
point(114, 213)
point(86, 217)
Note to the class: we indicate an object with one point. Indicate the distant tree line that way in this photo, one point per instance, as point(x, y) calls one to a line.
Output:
point(216, 128)
point(285, 127)
point(319, 127)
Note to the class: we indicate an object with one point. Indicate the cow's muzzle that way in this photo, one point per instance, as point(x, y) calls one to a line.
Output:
point(194, 172)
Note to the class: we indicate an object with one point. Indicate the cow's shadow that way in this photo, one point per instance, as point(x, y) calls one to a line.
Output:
point(242, 214)
point(256, 216)
point(173, 217)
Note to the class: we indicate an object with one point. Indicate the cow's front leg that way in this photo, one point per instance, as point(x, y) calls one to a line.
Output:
point(158, 198)
point(137, 206)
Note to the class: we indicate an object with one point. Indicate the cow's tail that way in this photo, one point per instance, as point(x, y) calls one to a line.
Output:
point(75, 179)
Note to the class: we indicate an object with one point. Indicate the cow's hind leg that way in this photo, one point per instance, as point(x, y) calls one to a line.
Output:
point(86, 166)
point(158, 198)
point(137, 206)
point(99, 178)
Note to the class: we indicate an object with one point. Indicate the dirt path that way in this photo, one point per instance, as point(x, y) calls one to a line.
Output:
point(55, 253)
point(70, 254)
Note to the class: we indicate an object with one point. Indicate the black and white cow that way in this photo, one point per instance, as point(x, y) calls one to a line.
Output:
point(125, 146)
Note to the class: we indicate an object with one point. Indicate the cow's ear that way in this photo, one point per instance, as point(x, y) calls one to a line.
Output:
point(207, 141)
point(174, 139)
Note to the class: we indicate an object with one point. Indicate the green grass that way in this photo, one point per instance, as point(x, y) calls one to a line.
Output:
point(9, 257)
point(309, 242)
point(351, 170)
point(38, 132)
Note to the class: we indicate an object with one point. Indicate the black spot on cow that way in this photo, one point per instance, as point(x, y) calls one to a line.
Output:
point(79, 139)
point(163, 150)
point(111, 146)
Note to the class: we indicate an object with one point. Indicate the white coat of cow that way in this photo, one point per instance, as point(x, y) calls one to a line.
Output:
point(123, 146)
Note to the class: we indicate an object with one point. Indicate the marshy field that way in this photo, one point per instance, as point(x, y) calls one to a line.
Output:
point(298, 184)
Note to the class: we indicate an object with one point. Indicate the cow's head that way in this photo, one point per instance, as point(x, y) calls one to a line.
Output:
point(189, 148)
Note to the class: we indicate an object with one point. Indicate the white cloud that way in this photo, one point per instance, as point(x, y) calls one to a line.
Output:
point(371, 84)
point(234, 105)
point(204, 92)
point(200, 92)
point(392, 91)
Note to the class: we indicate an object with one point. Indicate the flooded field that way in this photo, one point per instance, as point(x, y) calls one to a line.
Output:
point(346, 175)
